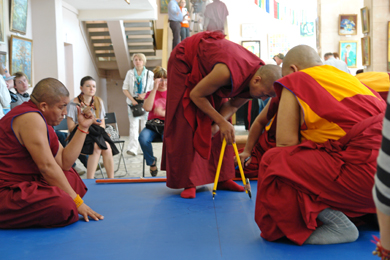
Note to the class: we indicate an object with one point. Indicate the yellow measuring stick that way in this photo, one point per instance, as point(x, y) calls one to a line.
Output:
point(244, 181)
point(219, 166)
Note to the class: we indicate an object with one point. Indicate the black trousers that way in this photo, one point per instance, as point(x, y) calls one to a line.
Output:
point(176, 27)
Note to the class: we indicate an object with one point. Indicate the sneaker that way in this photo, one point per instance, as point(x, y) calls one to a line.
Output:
point(79, 170)
point(131, 153)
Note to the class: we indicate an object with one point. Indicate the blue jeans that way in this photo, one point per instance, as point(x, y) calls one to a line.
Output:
point(184, 32)
point(145, 139)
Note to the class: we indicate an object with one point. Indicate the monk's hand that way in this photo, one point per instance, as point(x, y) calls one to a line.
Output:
point(227, 132)
point(243, 156)
point(85, 120)
point(87, 213)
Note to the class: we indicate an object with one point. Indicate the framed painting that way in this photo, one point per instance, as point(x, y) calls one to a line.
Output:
point(348, 50)
point(164, 6)
point(21, 50)
point(252, 46)
point(2, 36)
point(366, 51)
point(347, 24)
point(3, 58)
point(19, 16)
point(365, 20)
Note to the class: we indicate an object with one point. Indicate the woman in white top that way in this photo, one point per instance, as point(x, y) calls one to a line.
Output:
point(138, 81)
point(5, 97)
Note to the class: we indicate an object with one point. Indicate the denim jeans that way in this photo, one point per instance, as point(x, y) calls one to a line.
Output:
point(184, 32)
point(145, 140)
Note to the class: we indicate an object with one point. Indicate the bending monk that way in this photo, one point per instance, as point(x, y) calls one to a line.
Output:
point(378, 81)
point(203, 72)
point(38, 187)
point(321, 172)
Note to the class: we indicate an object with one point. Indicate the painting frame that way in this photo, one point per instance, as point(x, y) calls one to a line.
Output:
point(365, 20)
point(2, 27)
point(348, 54)
point(3, 58)
point(21, 56)
point(18, 20)
point(253, 46)
point(366, 49)
point(348, 24)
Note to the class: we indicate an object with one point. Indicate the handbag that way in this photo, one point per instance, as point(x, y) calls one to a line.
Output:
point(112, 132)
point(138, 109)
point(156, 125)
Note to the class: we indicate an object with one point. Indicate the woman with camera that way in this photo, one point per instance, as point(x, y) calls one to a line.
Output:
point(155, 104)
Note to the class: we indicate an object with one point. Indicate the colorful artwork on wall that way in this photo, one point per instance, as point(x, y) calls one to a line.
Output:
point(3, 58)
point(366, 51)
point(278, 43)
point(19, 16)
point(348, 24)
point(21, 50)
point(2, 36)
point(365, 20)
point(164, 6)
point(348, 50)
point(252, 46)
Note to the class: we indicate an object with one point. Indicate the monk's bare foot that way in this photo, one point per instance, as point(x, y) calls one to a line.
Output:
point(229, 185)
point(188, 193)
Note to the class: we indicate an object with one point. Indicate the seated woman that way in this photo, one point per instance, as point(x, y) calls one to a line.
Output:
point(97, 141)
point(155, 104)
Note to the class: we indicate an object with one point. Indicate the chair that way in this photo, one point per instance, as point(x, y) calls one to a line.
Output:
point(157, 139)
point(111, 119)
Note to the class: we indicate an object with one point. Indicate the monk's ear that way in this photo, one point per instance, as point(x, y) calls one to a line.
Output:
point(43, 106)
point(256, 79)
point(294, 68)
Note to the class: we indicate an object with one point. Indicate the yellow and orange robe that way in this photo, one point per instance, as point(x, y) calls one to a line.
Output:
point(335, 163)
point(378, 81)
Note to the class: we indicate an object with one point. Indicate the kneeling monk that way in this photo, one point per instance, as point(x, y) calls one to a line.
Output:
point(321, 172)
point(203, 72)
point(38, 187)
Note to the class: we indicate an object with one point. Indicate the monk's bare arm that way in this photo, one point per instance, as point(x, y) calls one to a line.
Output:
point(31, 131)
point(288, 120)
point(218, 77)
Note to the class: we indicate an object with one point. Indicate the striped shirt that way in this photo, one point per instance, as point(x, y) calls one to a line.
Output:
point(381, 190)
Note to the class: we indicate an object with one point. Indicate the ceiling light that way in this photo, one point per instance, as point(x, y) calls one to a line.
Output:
point(127, 1)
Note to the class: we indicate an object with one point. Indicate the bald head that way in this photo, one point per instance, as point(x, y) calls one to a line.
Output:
point(269, 74)
point(301, 57)
point(49, 90)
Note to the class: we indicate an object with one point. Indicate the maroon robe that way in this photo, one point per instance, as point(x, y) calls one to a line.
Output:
point(26, 199)
point(190, 155)
point(296, 183)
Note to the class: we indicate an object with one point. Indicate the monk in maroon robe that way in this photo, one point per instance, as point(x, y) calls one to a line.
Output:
point(321, 171)
point(203, 72)
point(38, 187)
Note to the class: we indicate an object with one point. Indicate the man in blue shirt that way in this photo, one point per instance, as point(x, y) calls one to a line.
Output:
point(175, 17)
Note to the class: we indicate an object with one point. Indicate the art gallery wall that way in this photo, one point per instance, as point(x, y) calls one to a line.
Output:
point(328, 12)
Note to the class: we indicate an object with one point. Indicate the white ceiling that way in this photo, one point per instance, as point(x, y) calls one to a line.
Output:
point(111, 4)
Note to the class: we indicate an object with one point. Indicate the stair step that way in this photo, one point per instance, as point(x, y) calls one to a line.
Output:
point(131, 40)
point(139, 32)
point(97, 25)
point(101, 41)
point(104, 48)
point(99, 34)
point(105, 54)
point(139, 24)
point(147, 53)
point(140, 47)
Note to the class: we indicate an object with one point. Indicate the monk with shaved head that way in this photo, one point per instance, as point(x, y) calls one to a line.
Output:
point(209, 78)
point(38, 186)
point(317, 157)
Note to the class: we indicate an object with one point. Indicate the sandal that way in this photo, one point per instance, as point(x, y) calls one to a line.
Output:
point(154, 172)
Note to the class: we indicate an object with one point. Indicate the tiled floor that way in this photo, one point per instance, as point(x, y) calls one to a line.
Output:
point(134, 163)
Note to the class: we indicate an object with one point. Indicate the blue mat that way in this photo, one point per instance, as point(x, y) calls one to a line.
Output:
point(151, 221)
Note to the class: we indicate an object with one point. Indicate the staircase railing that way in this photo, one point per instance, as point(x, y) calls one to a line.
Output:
point(164, 60)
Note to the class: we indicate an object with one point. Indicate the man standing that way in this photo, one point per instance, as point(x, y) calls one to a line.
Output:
point(215, 16)
point(38, 187)
point(175, 18)
point(201, 78)
point(330, 60)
